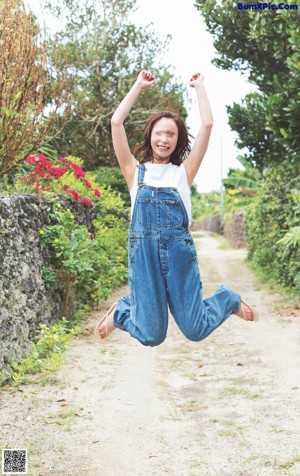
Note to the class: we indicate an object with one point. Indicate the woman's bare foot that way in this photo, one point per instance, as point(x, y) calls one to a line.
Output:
point(247, 312)
point(106, 325)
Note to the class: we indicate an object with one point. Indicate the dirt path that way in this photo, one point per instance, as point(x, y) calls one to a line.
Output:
point(226, 406)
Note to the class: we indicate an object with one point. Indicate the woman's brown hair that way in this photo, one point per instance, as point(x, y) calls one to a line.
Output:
point(183, 146)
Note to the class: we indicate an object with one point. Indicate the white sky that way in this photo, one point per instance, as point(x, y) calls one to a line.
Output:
point(190, 51)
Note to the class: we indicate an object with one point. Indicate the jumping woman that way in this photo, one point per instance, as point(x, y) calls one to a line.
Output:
point(163, 268)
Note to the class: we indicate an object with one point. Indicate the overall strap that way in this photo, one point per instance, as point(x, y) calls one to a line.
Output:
point(141, 175)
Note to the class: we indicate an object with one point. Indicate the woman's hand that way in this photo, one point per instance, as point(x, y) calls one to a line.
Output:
point(198, 78)
point(145, 79)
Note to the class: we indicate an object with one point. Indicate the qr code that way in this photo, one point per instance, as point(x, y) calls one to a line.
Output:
point(14, 461)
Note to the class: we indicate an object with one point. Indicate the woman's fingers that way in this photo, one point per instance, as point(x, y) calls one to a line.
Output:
point(147, 76)
point(146, 79)
point(196, 78)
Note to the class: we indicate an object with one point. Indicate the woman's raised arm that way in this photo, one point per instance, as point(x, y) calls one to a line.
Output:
point(194, 159)
point(125, 158)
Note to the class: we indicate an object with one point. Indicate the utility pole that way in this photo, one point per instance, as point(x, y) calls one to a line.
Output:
point(221, 187)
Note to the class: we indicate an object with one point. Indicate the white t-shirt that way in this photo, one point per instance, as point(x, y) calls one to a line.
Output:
point(165, 175)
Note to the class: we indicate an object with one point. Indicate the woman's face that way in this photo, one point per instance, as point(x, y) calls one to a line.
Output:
point(164, 137)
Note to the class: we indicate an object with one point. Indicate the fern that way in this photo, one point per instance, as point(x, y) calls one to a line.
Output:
point(292, 238)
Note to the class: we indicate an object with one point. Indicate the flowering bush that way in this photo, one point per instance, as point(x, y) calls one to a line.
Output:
point(69, 178)
point(88, 266)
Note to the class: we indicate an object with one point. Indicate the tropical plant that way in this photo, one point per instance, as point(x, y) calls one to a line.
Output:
point(241, 186)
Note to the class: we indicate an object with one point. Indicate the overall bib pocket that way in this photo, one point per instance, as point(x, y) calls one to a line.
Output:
point(159, 214)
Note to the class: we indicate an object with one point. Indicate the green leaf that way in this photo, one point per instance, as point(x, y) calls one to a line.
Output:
point(283, 132)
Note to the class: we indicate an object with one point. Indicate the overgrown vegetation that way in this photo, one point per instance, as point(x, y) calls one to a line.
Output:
point(273, 227)
point(90, 266)
point(240, 188)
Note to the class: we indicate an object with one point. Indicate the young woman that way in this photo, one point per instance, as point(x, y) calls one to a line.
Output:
point(163, 267)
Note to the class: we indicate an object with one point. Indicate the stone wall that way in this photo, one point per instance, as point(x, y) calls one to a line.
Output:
point(234, 230)
point(212, 224)
point(25, 303)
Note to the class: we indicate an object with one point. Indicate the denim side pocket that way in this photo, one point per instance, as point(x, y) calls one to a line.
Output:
point(190, 245)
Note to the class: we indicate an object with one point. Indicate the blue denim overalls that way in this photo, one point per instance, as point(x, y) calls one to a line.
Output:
point(163, 271)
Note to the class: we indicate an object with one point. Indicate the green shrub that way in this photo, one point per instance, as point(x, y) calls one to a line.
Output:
point(112, 179)
point(272, 223)
point(47, 355)
point(90, 267)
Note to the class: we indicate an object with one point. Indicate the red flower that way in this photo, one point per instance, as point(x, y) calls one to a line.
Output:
point(78, 171)
point(87, 183)
point(97, 193)
point(58, 171)
point(87, 201)
point(66, 188)
point(44, 161)
point(38, 159)
point(32, 159)
point(40, 172)
point(64, 160)
point(74, 194)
